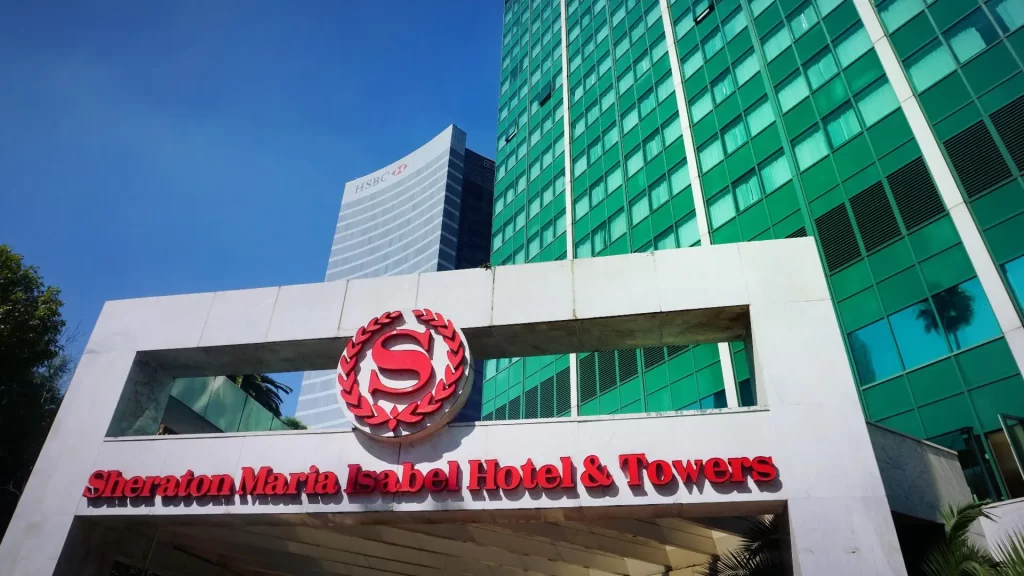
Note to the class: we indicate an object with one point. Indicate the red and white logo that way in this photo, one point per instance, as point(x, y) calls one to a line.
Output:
point(404, 374)
point(399, 169)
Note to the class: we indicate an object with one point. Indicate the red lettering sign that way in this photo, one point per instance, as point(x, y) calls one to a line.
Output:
point(481, 475)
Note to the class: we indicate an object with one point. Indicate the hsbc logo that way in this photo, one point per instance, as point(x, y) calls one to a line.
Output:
point(381, 178)
point(404, 374)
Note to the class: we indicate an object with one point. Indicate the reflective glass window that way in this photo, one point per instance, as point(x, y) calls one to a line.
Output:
point(618, 224)
point(821, 68)
point(971, 35)
point(652, 145)
point(671, 130)
point(687, 231)
point(1009, 14)
point(748, 190)
point(679, 178)
point(759, 116)
point(874, 352)
point(734, 24)
point(929, 65)
point(775, 173)
point(711, 154)
point(723, 86)
point(895, 13)
point(659, 192)
point(918, 335)
point(792, 91)
point(758, 6)
point(841, 126)
point(629, 119)
point(745, 68)
point(692, 62)
point(852, 44)
point(721, 209)
point(809, 148)
point(802, 20)
point(713, 43)
point(735, 135)
point(639, 208)
point(776, 41)
point(965, 315)
point(634, 161)
point(701, 105)
point(1014, 270)
point(876, 101)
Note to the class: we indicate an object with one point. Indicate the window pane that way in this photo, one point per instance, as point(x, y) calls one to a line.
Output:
point(600, 238)
point(758, 6)
point(809, 148)
point(583, 248)
point(672, 130)
point(647, 103)
point(748, 190)
point(1008, 13)
point(611, 136)
point(874, 352)
point(614, 178)
point(723, 86)
point(597, 192)
point(634, 162)
point(710, 155)
point(665, 240)
point(802, 20)
point(895, 12)
point(792, 92)
point(759, 117)
point(776, 42)
point(639, 209)
point(713, 43)
point(965, 315)
point(841, 126)
point(918, 334)
point(734, 24)
point(701, 106)
point(722, 209)
point(659, 193)
point(876, 102)
point(629, 119)
point(930, 65)
point(746, 68)
point(1014, 270)
point(618, 224)
point(692, 62)
point(687, 231)
point(685, 24)
point(735, 135)
point(826, 6)
point(679, 179)
point(665, 88)
point(971, 35)
point(852, 45)
point(625, 81)
point(652, 146)
point(821, 68)
point(775, 173)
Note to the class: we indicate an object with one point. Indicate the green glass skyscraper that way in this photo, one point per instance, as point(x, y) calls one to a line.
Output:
point(891, 132)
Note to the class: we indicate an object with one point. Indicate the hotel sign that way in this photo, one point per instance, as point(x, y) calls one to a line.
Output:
point(475, 476)
point(404, 375)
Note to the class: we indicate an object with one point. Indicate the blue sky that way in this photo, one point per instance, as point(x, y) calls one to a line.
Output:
point(175, 146)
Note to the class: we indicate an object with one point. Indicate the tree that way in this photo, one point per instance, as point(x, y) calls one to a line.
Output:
point(33, 371)
point(956, 311)
point(762, 552)
point(293, 423)
point(955, 554)
point(263, 389)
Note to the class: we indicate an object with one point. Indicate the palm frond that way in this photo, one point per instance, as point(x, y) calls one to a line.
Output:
point(1010, 553)
point(958, 519)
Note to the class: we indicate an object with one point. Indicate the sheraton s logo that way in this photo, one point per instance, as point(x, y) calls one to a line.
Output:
point(404, 374)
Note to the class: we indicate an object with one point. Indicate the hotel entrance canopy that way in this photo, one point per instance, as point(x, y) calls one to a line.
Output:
point(772, 295)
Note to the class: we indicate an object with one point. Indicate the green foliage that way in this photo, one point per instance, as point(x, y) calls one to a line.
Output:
point(33, 369)
point(761, 552)
point(1010, 554)
point(955, 554)
point(293, 423)
point(263, 389)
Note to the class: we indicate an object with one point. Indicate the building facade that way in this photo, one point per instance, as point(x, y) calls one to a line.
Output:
point(888, 131)
point(426, 212)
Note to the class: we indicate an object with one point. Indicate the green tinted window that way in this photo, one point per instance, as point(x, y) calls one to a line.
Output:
point(929, 65)
point(895, 13)
point(971, 35)
point(1008, 13)
point(809, 148)
point(792, 91)
point(876, 101)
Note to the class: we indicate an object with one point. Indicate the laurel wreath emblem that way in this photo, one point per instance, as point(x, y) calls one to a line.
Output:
point(372, 413)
